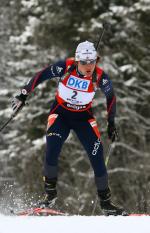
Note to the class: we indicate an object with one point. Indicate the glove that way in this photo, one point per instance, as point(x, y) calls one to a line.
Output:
point(112, 131)
point(18, 102)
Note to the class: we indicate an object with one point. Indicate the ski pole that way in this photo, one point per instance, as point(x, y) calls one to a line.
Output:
point(12, 116)
point(109, 152)
point(105, 27)
point(6, 123)
point(111, 147)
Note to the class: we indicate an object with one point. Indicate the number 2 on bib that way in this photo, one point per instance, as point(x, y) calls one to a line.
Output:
point(74, 95)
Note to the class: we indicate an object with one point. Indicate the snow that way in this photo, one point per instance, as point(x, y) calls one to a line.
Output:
point(143, 5)
point(39, 142)
point(75, 224)
point(4, 92)
point(7, 112)
point(119, 10)
point(129, 67)
point(29, 4)
point(29, 31)
point(21, 65)
point(95, 24)
point(130, 81)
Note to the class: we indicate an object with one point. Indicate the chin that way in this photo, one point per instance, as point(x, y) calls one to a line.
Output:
point(88, 73)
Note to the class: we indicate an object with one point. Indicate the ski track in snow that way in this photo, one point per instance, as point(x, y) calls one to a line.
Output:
point(75, 224)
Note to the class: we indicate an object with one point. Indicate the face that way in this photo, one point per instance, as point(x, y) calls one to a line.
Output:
point(86, 69)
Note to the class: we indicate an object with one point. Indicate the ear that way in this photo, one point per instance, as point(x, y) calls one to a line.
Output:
point(98, 59)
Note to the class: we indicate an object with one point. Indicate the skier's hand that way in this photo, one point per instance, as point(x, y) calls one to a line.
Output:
point(18, 102)
point(112, 131)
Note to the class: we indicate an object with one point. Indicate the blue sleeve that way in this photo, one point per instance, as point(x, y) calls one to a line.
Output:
point(55, 70)
point(106, 86)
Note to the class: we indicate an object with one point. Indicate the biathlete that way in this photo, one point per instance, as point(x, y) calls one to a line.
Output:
point(79, 78)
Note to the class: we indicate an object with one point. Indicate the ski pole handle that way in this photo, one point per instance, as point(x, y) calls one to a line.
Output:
point(18, 109)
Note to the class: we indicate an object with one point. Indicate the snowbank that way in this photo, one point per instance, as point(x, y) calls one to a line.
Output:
point(75, 224)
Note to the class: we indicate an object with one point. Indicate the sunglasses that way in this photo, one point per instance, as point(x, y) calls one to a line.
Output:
point(87, 62)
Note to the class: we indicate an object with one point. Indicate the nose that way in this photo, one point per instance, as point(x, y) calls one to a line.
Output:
point(89, 65)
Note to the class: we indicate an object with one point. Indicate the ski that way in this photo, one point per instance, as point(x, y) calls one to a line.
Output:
point(40, 212)
point(45, 211)
point(138, 215)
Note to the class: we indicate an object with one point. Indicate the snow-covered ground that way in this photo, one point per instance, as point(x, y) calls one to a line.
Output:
point(75, 224)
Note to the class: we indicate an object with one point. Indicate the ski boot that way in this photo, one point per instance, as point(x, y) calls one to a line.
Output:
point(50, 195)
point(107, 207)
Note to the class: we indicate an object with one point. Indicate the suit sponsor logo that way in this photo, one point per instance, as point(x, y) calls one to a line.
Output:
point(105, 81)
point(59, 69)
point(52, 70)
point(76, 107)
point(54, 134)
point(96, 146)
point(78, 83)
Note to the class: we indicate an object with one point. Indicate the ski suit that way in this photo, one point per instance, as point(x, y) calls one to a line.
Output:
point(72, 109)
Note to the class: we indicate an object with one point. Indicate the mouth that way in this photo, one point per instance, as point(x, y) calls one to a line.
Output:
point(88, 71)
